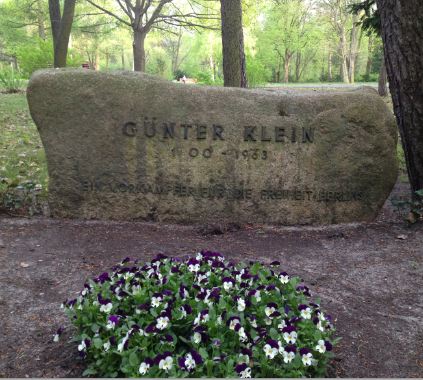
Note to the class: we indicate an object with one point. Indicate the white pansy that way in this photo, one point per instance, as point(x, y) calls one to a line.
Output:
point(288, 357)
point(283, 279)
point(196, 338)
point(242, 336)
point(199, 256)
point(155, 301)
point(106, 308)
point(282, 324)
point(194, 267)
point(166, 364)
point(320, 326)
point(257, 295)
point(189, 362)
point(321, 347)
point(84, 292)
point(162, 323)
point(136, 289)
point(121, 345)
point(227, 285)
point(56, 338)
point(306, 313)
point(290, 337)
point(246, 374)
point(233, 323)
point(106, 346)
point(253, 323)
point(184, 313)
point(82, 346)
point(281, 348)
point(241, 304)
point(219, 320)
point(144, 367)
point(269, 351)
point(269, 310)
point(307, 359)
point(268, 321)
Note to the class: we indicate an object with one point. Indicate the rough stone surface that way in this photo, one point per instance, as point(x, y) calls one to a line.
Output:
point(131, 146)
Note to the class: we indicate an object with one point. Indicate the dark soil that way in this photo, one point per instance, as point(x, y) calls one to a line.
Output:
point(369, 278)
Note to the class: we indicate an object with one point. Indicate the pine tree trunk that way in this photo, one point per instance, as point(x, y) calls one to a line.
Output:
point(402, 25)
point(344, 63)
point(330, 75)
point(353, 50)
point(139, 50)
point(234, 69)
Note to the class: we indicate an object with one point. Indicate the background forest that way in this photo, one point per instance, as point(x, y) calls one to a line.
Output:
point(285, 40)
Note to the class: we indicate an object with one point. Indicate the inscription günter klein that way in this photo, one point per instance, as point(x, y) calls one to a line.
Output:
point(151, 128)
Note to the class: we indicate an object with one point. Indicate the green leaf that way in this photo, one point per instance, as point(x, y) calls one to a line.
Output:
point(273, 333)
point(133, 359)
point(97, 342)
point(89, 371)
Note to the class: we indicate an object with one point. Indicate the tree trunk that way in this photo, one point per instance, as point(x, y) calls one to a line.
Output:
point(122, 56)
point(40, 20)
point(369, 64)
point(330, 75)
point(286, 63)
point(353, 49)
point(383, 79)
point(234, 69)
point(402, 25)
point(139, 50)
point(298, 67)
point(343, 51)
point(61, 26)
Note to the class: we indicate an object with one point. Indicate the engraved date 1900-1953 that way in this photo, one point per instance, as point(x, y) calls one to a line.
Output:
point(246, 154)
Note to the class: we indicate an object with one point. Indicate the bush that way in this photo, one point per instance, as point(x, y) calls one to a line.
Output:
point(201, 316)
point(11, 80)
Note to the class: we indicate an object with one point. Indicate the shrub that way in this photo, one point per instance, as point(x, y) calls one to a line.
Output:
point(201, 316)
point(11, 80)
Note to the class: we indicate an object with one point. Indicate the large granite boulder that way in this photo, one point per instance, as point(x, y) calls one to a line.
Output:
point(132, 146)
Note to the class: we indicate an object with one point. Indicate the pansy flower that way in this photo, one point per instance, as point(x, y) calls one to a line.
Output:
point(289, 354)
point(241, 304)
point(145, 366)
point(162, 323)
point(305, 311)
point(57, 335)
point(289, 334)
point(228, 283)
point(271, 348)
point(112, 322)
point(306, 356)
point(166, 363)
point(243, 371)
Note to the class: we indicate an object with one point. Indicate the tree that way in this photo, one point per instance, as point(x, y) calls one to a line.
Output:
point(144, 15)
point(402, 25)
point(61, 26)
point(234, 70)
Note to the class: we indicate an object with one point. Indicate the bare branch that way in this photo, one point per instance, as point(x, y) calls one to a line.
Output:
point(109, 13)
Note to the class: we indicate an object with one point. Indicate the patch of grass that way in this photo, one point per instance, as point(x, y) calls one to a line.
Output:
point(23, 169)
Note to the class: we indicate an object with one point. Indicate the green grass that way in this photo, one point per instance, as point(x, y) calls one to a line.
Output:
point(23, 170)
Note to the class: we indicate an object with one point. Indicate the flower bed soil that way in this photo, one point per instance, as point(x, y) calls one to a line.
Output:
point(369, 278)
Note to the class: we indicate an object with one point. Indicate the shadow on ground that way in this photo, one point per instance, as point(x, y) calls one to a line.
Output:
point(368, 276)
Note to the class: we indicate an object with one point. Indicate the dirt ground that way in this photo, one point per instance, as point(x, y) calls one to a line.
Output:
point(368, 276)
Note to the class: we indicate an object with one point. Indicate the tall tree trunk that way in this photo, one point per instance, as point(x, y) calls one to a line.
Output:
point(122, 56)
point(40, 20)
point(61, 26)
point(343, 51)
point(286, 63)
point(330, 75)
point(402, 25)
point(298, 67)
point(139, 50)
point(353, 49)
point(383, 79)
point(234, 68)
point(369, 63)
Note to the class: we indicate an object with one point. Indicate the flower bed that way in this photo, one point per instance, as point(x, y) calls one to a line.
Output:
point(201, 316)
